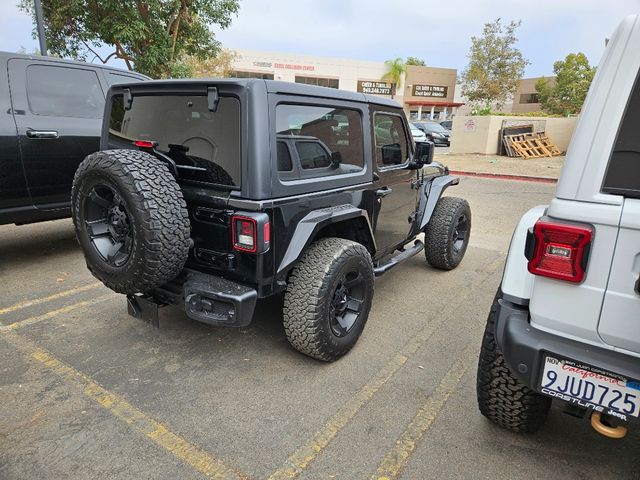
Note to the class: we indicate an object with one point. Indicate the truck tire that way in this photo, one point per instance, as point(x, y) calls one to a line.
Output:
point(328, 298)
point(447, 233)
point(130, 219)
point(502, 398)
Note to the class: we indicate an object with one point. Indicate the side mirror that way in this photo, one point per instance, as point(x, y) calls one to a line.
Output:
point(424, 153)
point(336, 159)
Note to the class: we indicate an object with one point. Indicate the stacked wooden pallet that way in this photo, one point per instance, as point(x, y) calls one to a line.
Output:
point(530, 145)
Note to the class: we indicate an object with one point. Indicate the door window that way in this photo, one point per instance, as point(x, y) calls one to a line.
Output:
point(391, 143)
point(64, 92)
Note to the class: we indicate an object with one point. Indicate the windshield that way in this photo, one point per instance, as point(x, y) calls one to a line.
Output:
point(204, 145)
point(433, 127)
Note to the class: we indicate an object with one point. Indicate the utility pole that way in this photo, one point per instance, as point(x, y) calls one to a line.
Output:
point(40, 27)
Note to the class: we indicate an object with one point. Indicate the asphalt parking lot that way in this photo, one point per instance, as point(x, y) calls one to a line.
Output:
point(89, 392)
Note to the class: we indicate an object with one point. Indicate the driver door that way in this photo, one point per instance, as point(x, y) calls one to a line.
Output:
point(395, 189)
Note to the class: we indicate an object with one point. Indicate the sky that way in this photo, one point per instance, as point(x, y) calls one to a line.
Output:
point(437, 31)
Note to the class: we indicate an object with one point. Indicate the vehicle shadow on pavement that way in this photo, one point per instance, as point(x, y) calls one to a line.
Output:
point(21, 246)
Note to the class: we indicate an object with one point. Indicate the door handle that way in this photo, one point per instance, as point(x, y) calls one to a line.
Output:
point(383, 192)
point(42, 133)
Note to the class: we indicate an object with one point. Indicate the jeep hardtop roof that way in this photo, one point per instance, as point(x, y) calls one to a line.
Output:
point(271, 86)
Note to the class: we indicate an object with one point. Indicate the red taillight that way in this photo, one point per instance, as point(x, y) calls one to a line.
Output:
point(560, 250)
point(244, 231)
point(144, 144)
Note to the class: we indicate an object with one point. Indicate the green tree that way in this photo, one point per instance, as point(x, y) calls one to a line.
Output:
point(219, 66)
point(495, 65)
point(151, 36)
point(566, 94)
point(395, 71)
point(415, 61)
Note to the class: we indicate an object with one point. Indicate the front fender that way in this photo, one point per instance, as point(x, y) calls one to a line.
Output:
point(312, 223)
point(517, 282)
point(431, 193)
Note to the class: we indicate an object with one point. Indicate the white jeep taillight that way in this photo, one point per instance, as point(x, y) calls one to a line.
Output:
point(559, 250)
point(251, 233)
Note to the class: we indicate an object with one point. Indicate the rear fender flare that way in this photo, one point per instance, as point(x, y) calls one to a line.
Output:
point(312, 223)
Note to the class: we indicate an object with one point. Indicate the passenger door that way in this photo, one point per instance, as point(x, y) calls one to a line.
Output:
point(394, 184)
point(58, 111)
point(13, 188)
point(620, 317)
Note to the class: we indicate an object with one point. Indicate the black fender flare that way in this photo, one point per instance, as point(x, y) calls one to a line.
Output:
point(312, 223)
point(431, 193)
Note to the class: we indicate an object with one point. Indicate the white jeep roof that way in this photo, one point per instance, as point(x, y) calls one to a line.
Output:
point(590, 148)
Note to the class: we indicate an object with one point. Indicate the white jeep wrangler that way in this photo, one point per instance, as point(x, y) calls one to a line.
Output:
point(565, 323)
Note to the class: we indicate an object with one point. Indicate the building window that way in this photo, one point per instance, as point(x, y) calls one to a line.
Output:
point(321, 82)
point(240, 74)
point(529, 98)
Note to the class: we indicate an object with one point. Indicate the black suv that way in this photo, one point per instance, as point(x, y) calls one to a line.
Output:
point(50, 119)
point(211, 194)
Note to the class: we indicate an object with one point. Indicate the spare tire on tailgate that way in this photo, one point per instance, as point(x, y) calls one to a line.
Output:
point(131, 220)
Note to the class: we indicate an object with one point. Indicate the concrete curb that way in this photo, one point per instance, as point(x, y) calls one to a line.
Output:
point(505, 176)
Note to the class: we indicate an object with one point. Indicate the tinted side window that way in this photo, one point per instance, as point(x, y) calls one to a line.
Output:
point(328, 141)
point(284, 158)
point(64, 92)
point(623, 172)
point(390, 139)
point(313, 155)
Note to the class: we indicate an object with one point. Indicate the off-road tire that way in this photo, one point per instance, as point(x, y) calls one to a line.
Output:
point(439, 234)
point(157, 214)
point(503, 398)
point(307, 301)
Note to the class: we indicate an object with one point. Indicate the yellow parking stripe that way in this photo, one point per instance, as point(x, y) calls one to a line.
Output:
point(55, 313)
point(307, 453)
point(55, 296)
point(397, 457)
point(160, 434)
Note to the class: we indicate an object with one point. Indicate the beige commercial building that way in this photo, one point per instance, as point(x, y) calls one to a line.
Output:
point(526, 97)
point(424, 92)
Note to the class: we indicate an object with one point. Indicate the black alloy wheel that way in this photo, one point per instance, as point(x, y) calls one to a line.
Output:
point(347, 303)
point(460, 232)
point(108, 225)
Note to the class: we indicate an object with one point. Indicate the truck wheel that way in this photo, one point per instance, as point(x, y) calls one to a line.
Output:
point(447, 233)
point(502, 398)
point(328, 299)
point(131, 220)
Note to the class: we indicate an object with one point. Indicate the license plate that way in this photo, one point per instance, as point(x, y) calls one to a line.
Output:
point(588, 387)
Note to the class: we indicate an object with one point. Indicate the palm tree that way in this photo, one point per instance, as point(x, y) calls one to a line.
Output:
point(396, 69)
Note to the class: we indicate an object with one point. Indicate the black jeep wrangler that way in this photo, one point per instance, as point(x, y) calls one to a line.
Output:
point(211, 194)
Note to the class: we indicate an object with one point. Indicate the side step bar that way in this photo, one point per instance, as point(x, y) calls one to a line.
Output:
point(418, 246)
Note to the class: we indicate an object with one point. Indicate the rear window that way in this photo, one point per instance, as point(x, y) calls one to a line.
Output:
point(204, 145)
point(623, 172)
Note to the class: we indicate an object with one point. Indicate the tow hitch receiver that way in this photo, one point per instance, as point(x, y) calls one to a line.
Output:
point(599, 425)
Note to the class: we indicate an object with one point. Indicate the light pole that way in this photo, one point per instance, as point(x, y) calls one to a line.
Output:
point(40, 27)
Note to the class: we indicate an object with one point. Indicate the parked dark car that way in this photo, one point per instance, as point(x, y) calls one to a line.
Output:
point(51, 117)
point(208, 195)
point(447, 124)
point(435, 132)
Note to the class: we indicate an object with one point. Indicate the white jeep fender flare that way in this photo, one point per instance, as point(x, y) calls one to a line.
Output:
point(517, 282)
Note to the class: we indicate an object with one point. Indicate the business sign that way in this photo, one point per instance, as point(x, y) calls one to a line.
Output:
point(286, 66)
point(438, 91)
point(375, 88)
